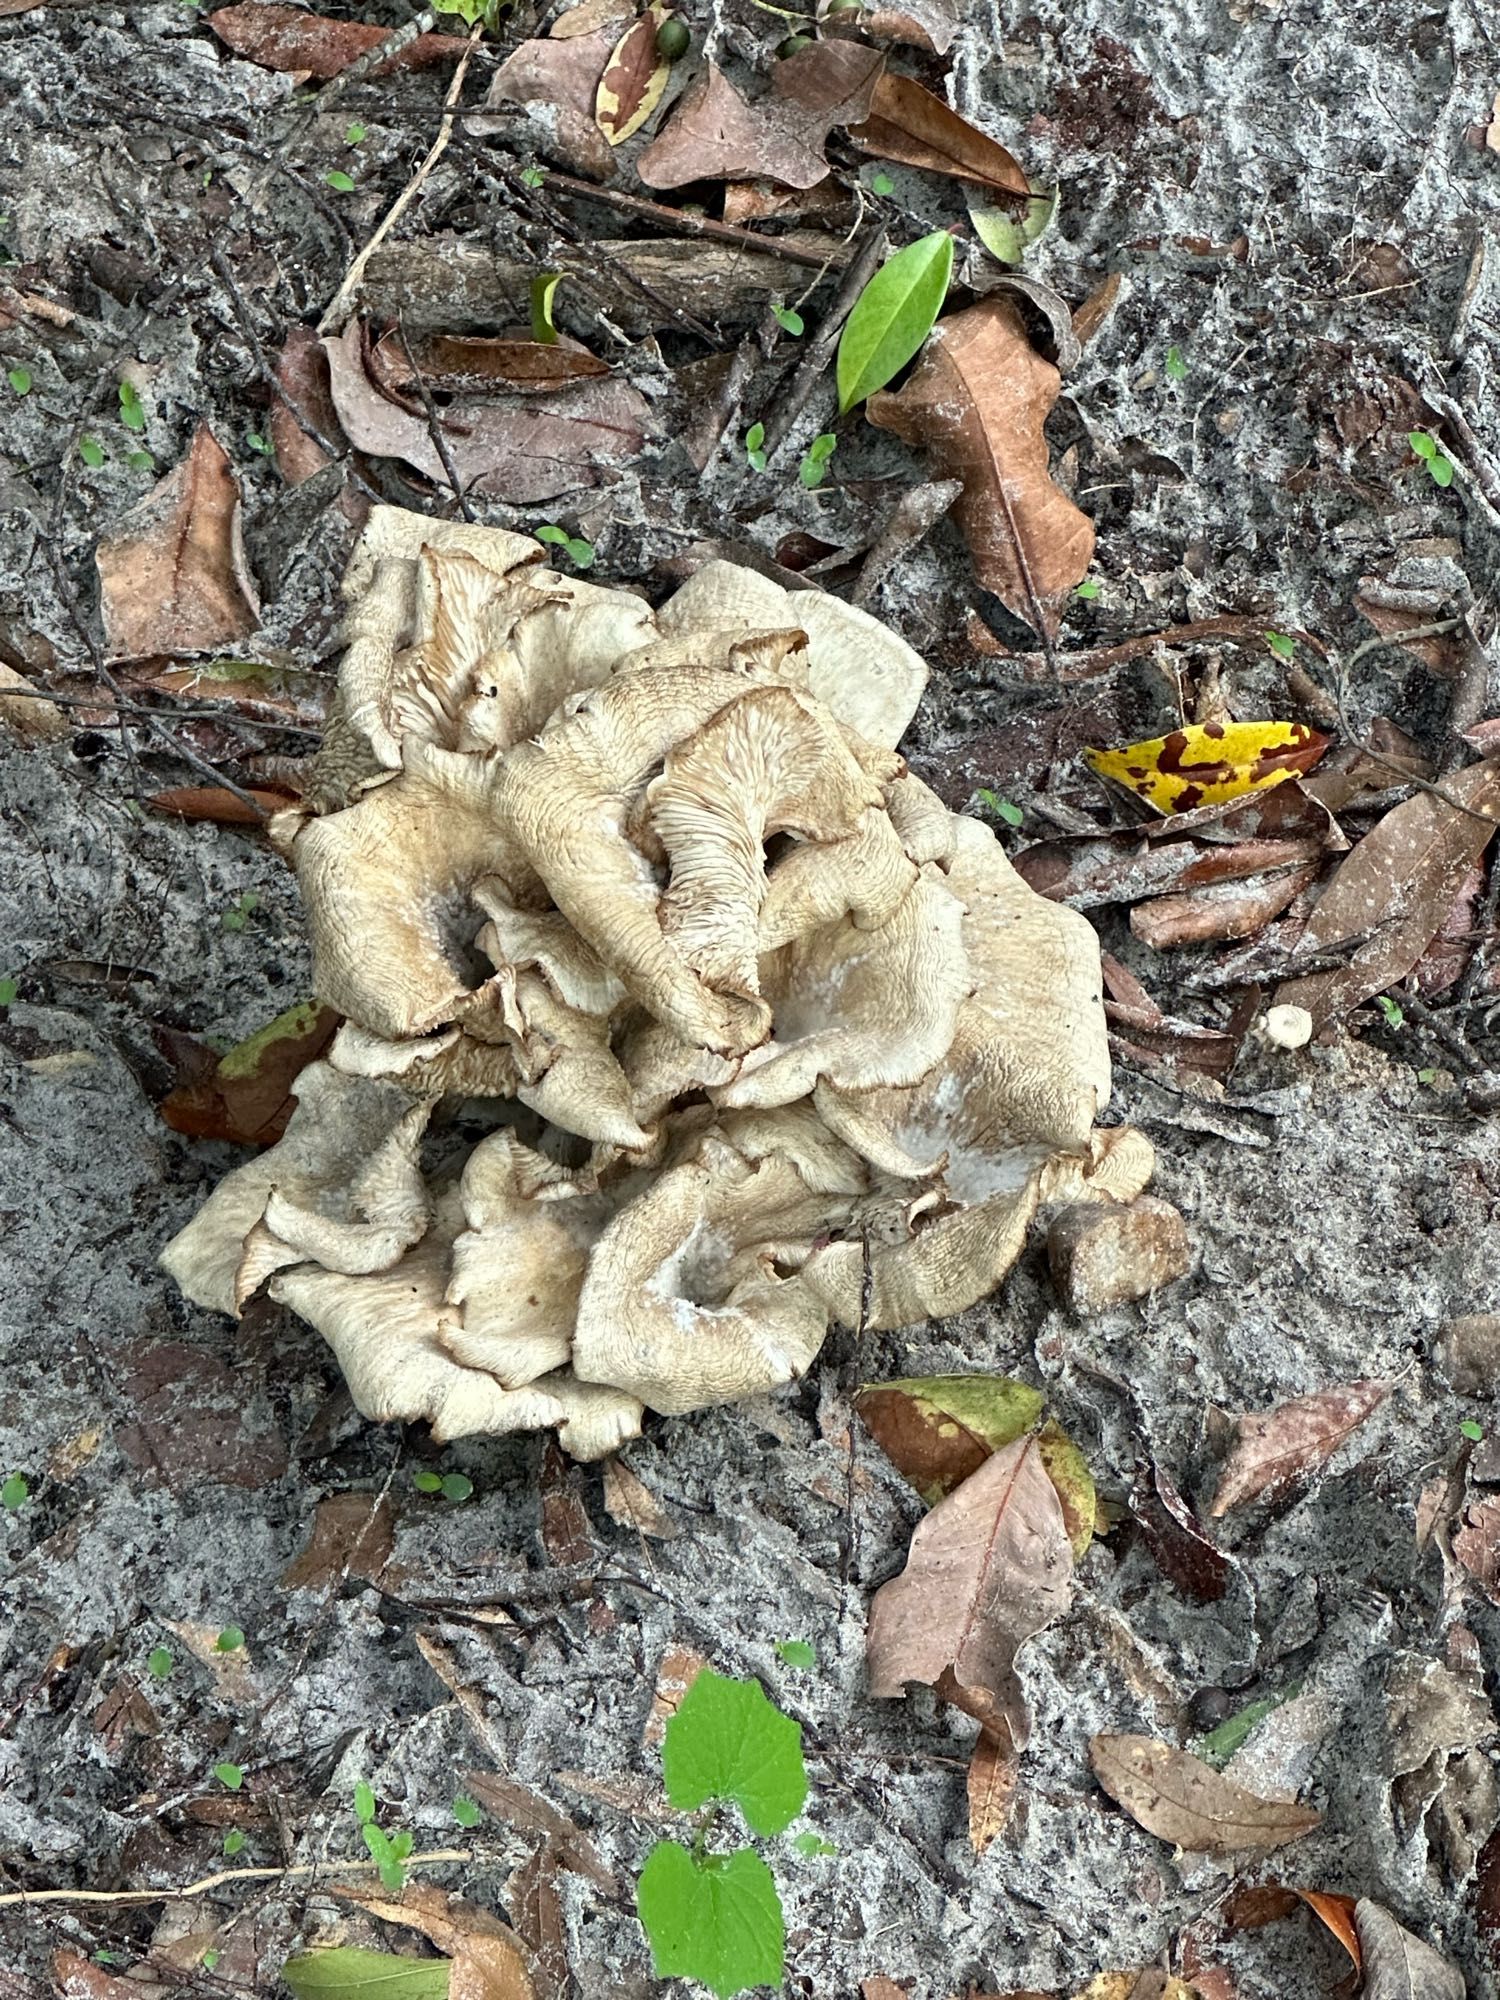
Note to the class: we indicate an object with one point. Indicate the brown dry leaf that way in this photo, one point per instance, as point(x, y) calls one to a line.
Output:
point(634, 78)
point(124, 1712)
point(1097, 308)
point(1476, 1545)
point(911, 126)
point(1272, 1448)
point(567, 1533)
point(680, 1667)
point(716, 134)
point(213, 802)
point(1394, 889)
point(977, 400)
point(75, 1977)
point(1182, 1550)
point(1338, 1914)
point(535, 1907)
point(1179, 1798)
point(589, 17)
point(506, 1798)
point(1224, 912)
point(563, 77)
point(353, 1534)
point(172, 572)
point(302, 377)
point(488, 1963)
point(988, 1567)
point(919, 24)
point(24, 711)
point(248, 1095)
point(286, 38)
point(525, 450)
point(633, 1505)
point(1398, 1966)
point(1151, 1984)
point(994, 1768)
point(457, 365)
point(234, 1679)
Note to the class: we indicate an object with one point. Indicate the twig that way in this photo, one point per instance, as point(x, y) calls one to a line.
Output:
point(333, 320)
point(1432, 1021)
point(1088, 664)
point(434, 422)
point(682, 224)
point(1407, 635)
point(223, 1879)
point(816, 355)
point(134, 708)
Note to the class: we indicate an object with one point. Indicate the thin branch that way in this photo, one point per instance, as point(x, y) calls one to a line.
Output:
point(223, 1879)
point(683, 224)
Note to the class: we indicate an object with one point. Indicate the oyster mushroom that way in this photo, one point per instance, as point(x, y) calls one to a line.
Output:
point(757, 1032)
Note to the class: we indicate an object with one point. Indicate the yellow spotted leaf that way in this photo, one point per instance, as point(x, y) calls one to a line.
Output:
point(634, 78)
point(1204, 764)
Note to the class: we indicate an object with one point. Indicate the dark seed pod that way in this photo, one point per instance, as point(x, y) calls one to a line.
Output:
point(672, 38)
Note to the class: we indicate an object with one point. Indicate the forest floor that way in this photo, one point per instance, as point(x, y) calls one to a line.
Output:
point(1301, 208)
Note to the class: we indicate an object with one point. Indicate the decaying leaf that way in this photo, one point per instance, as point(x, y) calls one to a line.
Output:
point(560, 77)
point(1476, 1545)
point(248, 1096)
point(988, 1567)
point(1222, 912)
point(172, 571)
point(535, 1907)
point(1183, 1552)
point(567, 1534)
point(1272, 1448)
point(286, 38)
point(680, 1667)
point(634, 1505)
point(1150, 1984)
point(1394, 890)
point(716, 134)
point(1179, 1798)
point(488, 1963)
point(1337, 1914)
point(920, 24)
point(302, 378)
point(911, 126)
point(353, 1534)
point(517, 1805)
point(219, 804)
point(938, 1429)
point(1398, 1966)
point(993, 1770)
point(1205, 764)
point(23, 710)
point(634, 78)
point(977, 400)
point(457, 365)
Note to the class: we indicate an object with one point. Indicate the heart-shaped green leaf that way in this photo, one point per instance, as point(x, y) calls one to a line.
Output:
point(728, 1741)
point(716, 1919)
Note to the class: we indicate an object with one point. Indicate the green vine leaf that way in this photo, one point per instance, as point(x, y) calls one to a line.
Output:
point(716, 1919)
point(892, 316)
point(728, 1741)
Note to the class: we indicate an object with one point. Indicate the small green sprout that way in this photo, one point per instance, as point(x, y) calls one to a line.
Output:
point(229, 1640)
point(1439, 465)
point(1001, 808)
point(755, 447)
point(815, 459)
point(20, 380)
point(140, 461)
point(456, 1487)
point(210, 1959)
point(427, 1482)
point(580, 553)
point(9, 988)
point(339, 181)
point(91, 452)
point(465, 1811)
point(1088, 590)
point(132, 413)
point(234, 1840)
point(1176, 367)
point(389, 1852)
point(1428, 1076)
point(364, 1803)
point(259, 442)
point(1472, 1431)
point(881, 182)
point(230, 1776)
point(1391, 1010)
point(796, 1653)
point(14, 1493)
point(236, 918)
point(813, 1845)
point(532, 177)
point(789, 320)
point(1282, 644)
point(543, 297)
point(159, 1663)
point(355, 134)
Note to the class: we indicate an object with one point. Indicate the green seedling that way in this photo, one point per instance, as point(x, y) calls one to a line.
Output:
point(140, 461)
point(389, 1852)
point(159, 1663)
point(1439, 465)
point(453, 1486)
point(1428, 1076)
point(712, 1916)
point(9, 988)
point(243, 909)
point(796, 1653)
point(755, 447)
point(1176, 367)
point(1001, 808)
point(355, 134)
point(258, 442)
point(579, 552)
point(814, 1845)
point(210, 1959)
point(881, 182)
point(789, 320)
point(1088, 590)
point(230, 1776)
point(1472, 1431)
point(91, 452)
point(364, 1803)
point(465, 1811)
point(339, 181)
point(473, 13)
point(1282, 645)
point(234, 1840)
point(532, 177)
point(20, 380)
point(14, 1493)
point(229, 1640)
point(815, 459)
point(543, 292)
point(132, 413)
point(1391, 1010)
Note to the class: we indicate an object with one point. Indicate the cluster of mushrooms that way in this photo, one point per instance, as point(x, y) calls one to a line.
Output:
point(680, 1018)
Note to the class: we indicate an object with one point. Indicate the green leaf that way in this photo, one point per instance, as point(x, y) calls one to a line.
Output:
point(351, 1973)
point(210, 1959)
point(1441, 470)
point(354, 133)
point(1423, 443)
point(543, 291)
point(1001, 808)
point(427, 1482)
point(816, 458)
point(789, 320)
point(796, 1652)
point(9, 988)
point(1088, 590)
point(1008, 236)
point(1282, 645)
point(364, 1802)
point(1392, 1012)
point(532, 177)
point(140, 461)
point(234, 1840)
point(729, 1741)
point(258, 443)
point(881, 182)
point(755, 439)
point(580, 552)
point(1426, 1076)
point(551, 534)
point(456, 1487)
point(159, 1663)
point(1220, 1744)
point(465, 1811)
point(14, 1493)
point(1474, 1432)
point(229, 1640)
point(1177, 368)
point(717, 1920)
point(231, 1776)
point(892, 316)
point(341, 182)
point(91, 452)
point(813, 1844)
point(132, 416)
point(20, 380)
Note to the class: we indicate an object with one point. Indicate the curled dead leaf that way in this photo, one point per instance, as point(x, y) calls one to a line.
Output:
point(1398, 1966)
point(1181, 1799)
point(634, 1505)
point(993, 1770)
point(909, 125)
point(1273, 1448)
point(634, 78)
point(286, 38)
point(977, 400)
point(716, 134)
point(248, 1096)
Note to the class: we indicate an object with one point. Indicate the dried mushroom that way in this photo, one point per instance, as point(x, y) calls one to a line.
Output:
point(755, 1033)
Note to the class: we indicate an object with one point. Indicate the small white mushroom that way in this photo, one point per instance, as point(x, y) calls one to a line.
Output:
point(1286, 1027)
